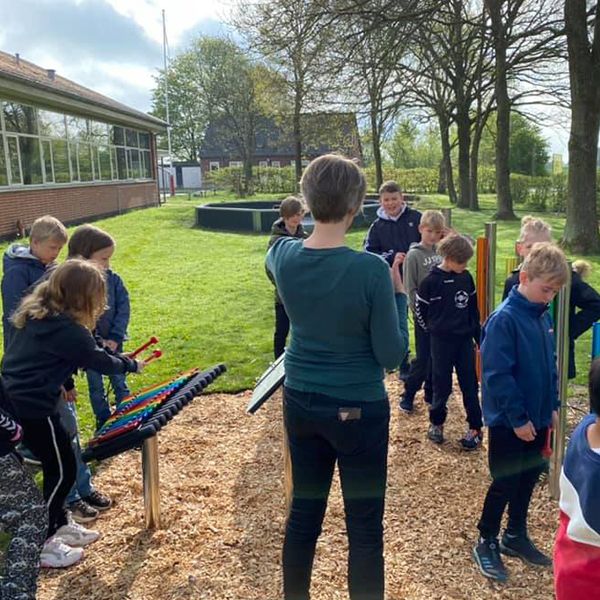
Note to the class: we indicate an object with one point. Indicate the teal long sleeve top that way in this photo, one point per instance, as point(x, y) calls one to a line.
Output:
point(347, 323)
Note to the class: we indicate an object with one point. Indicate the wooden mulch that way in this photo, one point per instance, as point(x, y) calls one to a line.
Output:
point(223, 516)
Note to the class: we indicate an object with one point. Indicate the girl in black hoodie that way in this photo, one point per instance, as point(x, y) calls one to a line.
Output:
point(52, 339)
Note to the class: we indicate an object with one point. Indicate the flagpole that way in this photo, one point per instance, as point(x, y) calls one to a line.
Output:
point(166, 71)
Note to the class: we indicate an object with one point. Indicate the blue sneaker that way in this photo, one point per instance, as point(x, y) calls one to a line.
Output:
point(487, 557)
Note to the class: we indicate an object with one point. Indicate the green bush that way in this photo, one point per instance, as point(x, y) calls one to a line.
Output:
point(265, 180)
point(519, 188)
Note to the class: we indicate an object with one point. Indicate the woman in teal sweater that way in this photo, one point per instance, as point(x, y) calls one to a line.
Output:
point(348, 316)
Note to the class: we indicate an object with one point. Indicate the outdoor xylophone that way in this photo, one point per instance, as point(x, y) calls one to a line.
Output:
point(144, 414)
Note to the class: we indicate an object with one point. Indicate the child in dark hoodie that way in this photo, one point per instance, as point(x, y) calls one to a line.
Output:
point(520, 403)
point(24, 265)
point(289, 224)
point(52, 338)
point(446, 307)
point(23, 515)
point(396, 226)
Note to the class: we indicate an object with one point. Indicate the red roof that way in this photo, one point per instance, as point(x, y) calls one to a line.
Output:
point(17, 69)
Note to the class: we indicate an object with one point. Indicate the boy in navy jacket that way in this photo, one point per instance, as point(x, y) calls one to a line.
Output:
point(396, 226)
point(446, 307)
point(25, 265)
point(520, 403)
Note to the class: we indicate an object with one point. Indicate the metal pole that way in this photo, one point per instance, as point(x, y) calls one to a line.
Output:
point(151, 482)
point(447, 212)
point(166, 69)
point(490, 234)
point(562, 350)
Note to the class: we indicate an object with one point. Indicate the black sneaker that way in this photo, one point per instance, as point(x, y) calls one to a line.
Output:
point(487, 557)
point(406, 405)
point(82, 512)
point(520, 546)
point(98, 501)
point(436, 433)
point(472, 439)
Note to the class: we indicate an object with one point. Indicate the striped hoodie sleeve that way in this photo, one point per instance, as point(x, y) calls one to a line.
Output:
point(577, 545)
point(10, 430)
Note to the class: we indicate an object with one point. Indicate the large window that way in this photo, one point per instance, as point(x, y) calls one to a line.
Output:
point(40, 146)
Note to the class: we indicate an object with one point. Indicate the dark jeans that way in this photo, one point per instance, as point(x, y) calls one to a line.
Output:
point(50, 442)
point(282, 328)
point(420, 368)
point(448, 353)
point(515, 466)
point(322, 431)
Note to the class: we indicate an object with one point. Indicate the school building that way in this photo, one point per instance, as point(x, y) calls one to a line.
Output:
point(68, 151)
point(322, 132)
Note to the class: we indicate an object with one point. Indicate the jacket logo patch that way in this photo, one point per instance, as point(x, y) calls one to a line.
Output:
point(411, 224)
point(461, 299)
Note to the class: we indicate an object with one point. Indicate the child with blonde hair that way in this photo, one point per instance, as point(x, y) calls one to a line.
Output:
point(520, 403)
point(584, 303)
point(52, 339)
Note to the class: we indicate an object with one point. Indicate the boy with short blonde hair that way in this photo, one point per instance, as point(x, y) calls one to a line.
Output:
point(24, 265)
point(420, 259)
point(446, 307)
point(520, 402)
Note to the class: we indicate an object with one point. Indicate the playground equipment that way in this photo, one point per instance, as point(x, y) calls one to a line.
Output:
point(561, 328)
point(258, 217)
point(139, 418)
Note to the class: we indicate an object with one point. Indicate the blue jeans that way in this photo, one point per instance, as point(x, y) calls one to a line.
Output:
point(98, 398)
point(83, 481)
point(322, 431)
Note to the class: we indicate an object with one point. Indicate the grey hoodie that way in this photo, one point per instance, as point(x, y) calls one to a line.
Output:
point(417, 264)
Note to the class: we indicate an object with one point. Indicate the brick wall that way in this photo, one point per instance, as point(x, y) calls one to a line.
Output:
point(72, 204)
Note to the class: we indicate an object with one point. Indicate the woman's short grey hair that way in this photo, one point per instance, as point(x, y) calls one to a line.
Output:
point(333, 186)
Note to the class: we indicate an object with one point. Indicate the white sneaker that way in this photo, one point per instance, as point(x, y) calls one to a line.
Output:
point(56, 554)
point(74, 534)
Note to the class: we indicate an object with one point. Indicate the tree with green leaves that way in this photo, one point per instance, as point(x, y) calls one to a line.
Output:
point(188, 110)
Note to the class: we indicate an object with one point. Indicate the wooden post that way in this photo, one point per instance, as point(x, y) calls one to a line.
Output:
point(561, 324)
point(151, 482)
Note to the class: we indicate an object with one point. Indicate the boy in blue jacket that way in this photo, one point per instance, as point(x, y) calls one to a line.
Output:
point(520, 403)
point(25, 265)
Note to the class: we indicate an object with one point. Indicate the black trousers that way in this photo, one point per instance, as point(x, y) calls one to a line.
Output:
point(448, 353)
point(515, 467)
point(322, 431)
point(420, 368)
point(50, 442)
point(282, 328)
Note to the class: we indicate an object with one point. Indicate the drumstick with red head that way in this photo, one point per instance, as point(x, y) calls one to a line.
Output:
point(547, 449)
point(153, 340)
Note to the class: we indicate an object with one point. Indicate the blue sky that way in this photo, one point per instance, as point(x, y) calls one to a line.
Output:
point(111, 46)
point(115, 46)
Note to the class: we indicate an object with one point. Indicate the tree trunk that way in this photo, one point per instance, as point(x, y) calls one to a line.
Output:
point(376, 142)
point(464, 167)
point(581, 229)
point(441, 187)
point(447, 157)
point(297, 143)
point(504, 199)
point(474, 170)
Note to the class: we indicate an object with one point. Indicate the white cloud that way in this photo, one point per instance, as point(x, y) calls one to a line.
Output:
point(181, 15)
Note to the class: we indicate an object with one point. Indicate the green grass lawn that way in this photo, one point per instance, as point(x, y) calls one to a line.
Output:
point(205, 294)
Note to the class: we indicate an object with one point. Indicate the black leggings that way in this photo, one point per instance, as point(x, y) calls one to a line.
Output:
point(51, 444)
point(515, 466)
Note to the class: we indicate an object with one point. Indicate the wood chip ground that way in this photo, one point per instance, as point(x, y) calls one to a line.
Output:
point(223, 515)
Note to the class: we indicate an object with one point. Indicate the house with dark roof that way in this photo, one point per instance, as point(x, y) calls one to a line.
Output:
point(322, 133)
point(68, 151)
